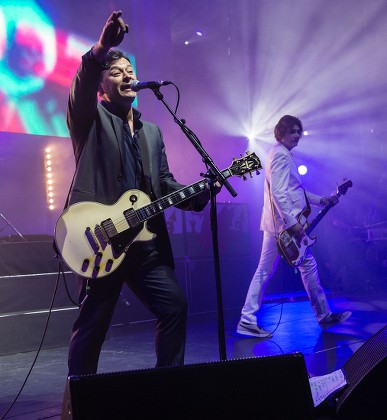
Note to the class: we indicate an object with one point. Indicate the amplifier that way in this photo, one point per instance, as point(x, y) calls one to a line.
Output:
point(377, 234)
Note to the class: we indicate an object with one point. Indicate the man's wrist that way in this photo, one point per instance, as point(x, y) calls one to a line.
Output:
point(98, 53)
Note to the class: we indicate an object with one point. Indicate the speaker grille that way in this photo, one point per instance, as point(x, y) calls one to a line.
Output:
point(273, 387)
point(366, 373)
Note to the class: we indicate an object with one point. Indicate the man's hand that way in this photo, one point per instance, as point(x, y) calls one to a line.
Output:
point(113, 32)
point(332, 200)
point(204, 196)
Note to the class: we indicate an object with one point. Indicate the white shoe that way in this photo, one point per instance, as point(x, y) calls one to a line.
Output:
point(252, 330)
point(334, 318)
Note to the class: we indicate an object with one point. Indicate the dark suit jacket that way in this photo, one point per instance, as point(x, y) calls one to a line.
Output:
point(97, 140)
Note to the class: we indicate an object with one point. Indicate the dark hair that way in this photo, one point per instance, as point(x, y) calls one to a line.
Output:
point(112, 56)
point(284, 124)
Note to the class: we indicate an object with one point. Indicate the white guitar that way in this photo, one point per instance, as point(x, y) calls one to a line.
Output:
point(93, 238)
point(292, 249)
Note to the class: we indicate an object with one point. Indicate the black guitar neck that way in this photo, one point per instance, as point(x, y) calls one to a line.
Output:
point(320, 216)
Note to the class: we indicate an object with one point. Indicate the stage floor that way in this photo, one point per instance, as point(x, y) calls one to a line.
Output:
point(131, 347)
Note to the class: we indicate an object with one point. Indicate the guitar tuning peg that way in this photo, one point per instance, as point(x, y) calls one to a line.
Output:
point(247, 153)
point(234, 158)
point(241, 155)
point(251, 175)
point(244, 177)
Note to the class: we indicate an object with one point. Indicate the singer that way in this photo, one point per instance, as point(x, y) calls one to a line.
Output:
point(116, 151)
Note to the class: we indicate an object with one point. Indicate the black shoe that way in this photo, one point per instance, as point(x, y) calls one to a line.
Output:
point(334, 318)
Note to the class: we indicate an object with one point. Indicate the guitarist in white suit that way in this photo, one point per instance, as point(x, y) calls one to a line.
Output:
point(115, 151)
point(284, 199)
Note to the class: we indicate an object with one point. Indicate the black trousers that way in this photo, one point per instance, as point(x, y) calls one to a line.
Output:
point(154, 283)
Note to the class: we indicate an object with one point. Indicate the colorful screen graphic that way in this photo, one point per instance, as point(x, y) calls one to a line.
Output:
point(37, 64)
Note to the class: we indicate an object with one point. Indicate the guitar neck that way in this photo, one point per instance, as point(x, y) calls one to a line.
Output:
point(173, 199)
point(320, 216)
point(170, 200)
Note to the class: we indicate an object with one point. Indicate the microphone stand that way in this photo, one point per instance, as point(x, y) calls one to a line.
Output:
point(12, 226)
point(213, 173)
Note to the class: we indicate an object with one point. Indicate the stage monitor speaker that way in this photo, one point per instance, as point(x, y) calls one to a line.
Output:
point(272, 387)
point(366, 370)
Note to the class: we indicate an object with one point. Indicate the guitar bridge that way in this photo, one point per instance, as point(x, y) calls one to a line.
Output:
point(101, 236)
point(107, 230)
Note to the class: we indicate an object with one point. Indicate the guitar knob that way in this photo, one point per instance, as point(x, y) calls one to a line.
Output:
point(95, 271)
point(85, 264)
point(109, 265)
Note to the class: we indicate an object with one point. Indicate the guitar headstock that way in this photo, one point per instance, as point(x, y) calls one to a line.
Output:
point(245, 165)
point(343, 186)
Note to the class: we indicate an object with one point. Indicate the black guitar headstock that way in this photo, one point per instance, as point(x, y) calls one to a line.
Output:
point(342, 188)
point(245, 165)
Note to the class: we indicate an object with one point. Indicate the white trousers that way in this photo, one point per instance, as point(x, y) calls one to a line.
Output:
point(267, 266)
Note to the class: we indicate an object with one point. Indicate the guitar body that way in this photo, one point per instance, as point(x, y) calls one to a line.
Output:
point(82, 244)
point(293, 250)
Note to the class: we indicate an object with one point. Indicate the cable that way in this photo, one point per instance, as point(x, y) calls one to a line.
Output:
point(65, 284)
point(40, 345)
point(281, 273)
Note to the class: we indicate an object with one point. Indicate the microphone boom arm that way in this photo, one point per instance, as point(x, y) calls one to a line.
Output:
point(213, 172)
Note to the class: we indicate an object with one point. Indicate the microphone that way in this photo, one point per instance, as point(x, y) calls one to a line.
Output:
point(136, 85)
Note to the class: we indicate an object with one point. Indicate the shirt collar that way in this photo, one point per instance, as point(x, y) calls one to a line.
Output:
point(115, 109)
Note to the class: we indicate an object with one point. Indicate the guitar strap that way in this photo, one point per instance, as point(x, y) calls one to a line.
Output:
point(305, 213)
point(307, 202)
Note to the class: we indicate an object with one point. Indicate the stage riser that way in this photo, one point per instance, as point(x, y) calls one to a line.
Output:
point(22, 333)
point(28, 275)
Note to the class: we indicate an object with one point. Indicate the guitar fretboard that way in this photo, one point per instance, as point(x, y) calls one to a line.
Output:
point(319, 216)
point(144, 213)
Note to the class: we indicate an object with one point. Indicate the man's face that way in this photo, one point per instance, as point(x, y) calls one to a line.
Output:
point(292, 137)
point(115, 83)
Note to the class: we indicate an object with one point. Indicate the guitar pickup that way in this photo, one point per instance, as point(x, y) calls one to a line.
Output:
point(132, 218)
point(107, 230)
point(286, 238)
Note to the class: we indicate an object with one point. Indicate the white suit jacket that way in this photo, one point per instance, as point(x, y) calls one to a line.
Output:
point(283, 191)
